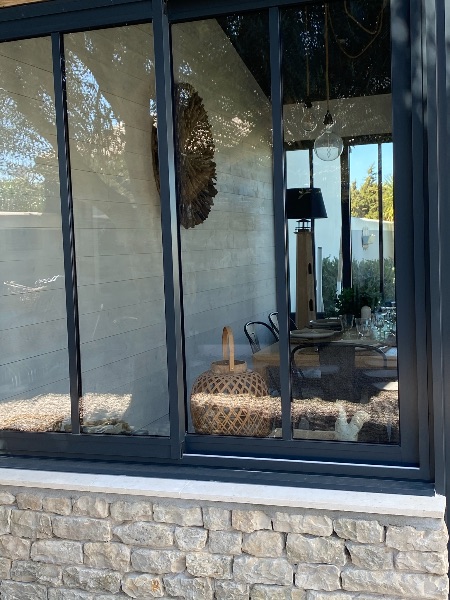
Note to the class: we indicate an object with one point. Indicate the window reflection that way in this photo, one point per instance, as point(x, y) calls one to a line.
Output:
point(111, 100)
point(344, 355)
point(34, 378)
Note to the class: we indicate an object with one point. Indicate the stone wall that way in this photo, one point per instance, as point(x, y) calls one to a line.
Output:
point(60, 545)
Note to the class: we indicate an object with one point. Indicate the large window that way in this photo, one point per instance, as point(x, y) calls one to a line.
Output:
point(178, 192)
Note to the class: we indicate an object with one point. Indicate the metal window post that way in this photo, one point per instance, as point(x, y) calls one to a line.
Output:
point(170, 232)
point(68, 234)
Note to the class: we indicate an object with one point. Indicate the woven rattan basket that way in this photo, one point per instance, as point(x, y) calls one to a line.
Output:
point(224, 400)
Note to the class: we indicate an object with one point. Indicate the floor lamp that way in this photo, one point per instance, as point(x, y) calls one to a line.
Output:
point(304, 205)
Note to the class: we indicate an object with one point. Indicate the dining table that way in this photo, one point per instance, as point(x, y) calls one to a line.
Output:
point(369, 353)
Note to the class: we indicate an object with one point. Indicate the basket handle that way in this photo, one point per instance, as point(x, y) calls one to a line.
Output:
point(228, 340)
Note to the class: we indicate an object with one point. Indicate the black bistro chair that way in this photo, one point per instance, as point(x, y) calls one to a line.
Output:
point(273, 320)
point(251, 329)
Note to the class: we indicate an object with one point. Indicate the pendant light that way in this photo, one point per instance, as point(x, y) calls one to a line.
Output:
point(328, 146)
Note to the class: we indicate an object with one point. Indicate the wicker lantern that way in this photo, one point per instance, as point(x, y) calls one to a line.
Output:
point(230, 400)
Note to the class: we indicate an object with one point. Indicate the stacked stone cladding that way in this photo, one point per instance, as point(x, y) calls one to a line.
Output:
point(57, 545)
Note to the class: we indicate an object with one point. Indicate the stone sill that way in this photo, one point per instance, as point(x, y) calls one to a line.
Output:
point(215, 491)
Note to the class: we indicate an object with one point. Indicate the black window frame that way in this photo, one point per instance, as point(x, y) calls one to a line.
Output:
point(415, 26)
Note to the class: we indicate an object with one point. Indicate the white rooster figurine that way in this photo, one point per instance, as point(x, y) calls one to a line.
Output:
point(348, 431)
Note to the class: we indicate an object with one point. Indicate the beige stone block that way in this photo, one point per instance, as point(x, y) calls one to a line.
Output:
point(28, 571)
point(5, 567)
point(276, 571)
point(131, 511)
point(107, 555)
point(425, 562)
point(225, 542)
point(312, 524)
point(90, 506)
point(5, 520)
point(92, 579)
point(141, 585)
point(14, 548)
point(6, 498)
point(30, 524)
point(263, 543)
point(57, 552)
point(190, 538)
point(60, 506)
point(13, 590)
point(365, 532)
point(154, 535)
point(29, 501)
point(270, 592)
point(301, 548)
point(64, 594)
point(409, 538)
point(407, 585)
point(204, 564)
point(189, 588)
point(186, 517)
point(158, 561)
point(231, 590)
point(250, 520)
point(216, 519)
point(81, 528)
point(370, 556)
point(318, 577)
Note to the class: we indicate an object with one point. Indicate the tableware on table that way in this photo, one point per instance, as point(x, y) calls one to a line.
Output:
point(363, 327)
point(378, 321)
point(330, 323)
point(346, 321)
point(311, 334)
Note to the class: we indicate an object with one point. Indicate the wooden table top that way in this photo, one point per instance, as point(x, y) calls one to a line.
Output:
point(270, 355)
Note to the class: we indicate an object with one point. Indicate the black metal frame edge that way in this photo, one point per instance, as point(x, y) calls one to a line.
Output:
point(36, 20)
point(180, 471)
point(409, 228)
point(180, 10)
point(438, 85)
point(279, 216)
point(68, 233)
point(169, 225)
point(66, 445)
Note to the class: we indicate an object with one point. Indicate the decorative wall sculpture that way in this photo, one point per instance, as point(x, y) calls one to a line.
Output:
point(196, 169)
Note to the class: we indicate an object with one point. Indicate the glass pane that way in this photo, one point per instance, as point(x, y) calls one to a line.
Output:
point(111, 99)
point(365, 175)
point(34, 378)
point(224, 156)
point(388, 225)
point(337, 112)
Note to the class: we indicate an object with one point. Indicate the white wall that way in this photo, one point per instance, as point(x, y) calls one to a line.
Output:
point(228, 261)
point(33, 338)
point(117, 223)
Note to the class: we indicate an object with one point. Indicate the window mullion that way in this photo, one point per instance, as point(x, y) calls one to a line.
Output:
point(170, 235)
point(70, 272)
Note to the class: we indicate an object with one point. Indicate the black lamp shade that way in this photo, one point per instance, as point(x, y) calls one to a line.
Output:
point(305, 203)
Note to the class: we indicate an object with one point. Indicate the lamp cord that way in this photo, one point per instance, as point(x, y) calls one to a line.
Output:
point(327, 82)
point(307, 54)
point(374, 33)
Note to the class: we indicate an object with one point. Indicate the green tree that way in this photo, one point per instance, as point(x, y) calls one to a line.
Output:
point(364, 199)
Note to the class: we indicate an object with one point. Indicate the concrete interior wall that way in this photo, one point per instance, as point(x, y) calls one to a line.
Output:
point(228, 260)
point(117, 225)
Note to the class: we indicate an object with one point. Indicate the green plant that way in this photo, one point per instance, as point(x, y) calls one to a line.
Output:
point(346, 302)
